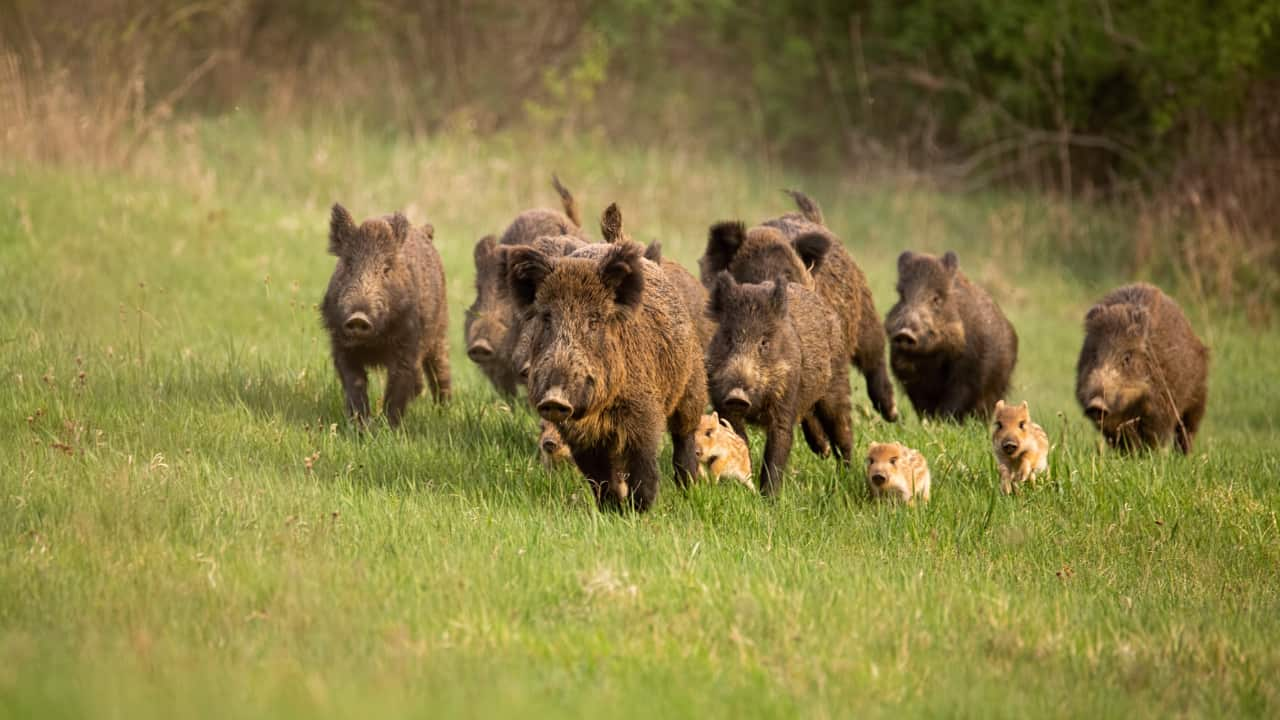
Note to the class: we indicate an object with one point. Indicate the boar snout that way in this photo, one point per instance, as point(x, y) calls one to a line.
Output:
point(1096, 409)
point(554, 405)
point(737, 401)
point(879, 480)
point(550, 446)
point(480, 350)
point(358, 325)
point(1010, 447)
point(905, 338)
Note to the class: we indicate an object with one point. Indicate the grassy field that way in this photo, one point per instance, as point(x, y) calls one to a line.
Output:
point(189, 529)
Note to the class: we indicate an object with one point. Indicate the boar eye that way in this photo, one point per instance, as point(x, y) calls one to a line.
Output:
point(1022, 425)
point(1128, 359)
point(764, 343)
point(546, 316)
point(893, 461)
point(386, 269)
point(999, 425)
point(937, 301)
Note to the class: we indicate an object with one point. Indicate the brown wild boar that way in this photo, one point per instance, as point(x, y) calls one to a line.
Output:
point(385, 307)
point(491, 328)
point(1142, 376)
point(778, 355)
point(614, 363)
point(896, 472)
point(721, 451)
point(952, 348)
point(1020, 445)
point(801, 248)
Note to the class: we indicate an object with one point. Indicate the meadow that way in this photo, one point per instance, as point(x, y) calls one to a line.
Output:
point(189, 527)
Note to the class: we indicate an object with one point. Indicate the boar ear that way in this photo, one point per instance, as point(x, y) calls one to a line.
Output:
point(611, 224)
point(724, 422)
point(484, 248)
point(1025, 407)
point(653, 253)
point(999, 405)
point(342, 229)
point(526, 269)
point(812, 249)
point(778, 296)
point(566, 199)
point(721, 286)
point(620, 270)
point(429, 230)
point(951, 262)
point(904, 260)
point(722, 244)
point(399, 228)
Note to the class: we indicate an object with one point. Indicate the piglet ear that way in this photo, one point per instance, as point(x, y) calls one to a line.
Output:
point(999, 405)
point(723, 242)
point(526, 269)
point(399, 228)
point(904, 260)
point(778, 297)
point(342, 229)
point(1026, 407)
point(951, 262)
point(724, 422)
point(429, 230)
point(622, 271)
point(812, 249)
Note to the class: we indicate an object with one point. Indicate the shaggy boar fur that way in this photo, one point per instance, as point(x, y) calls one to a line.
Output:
point(1142, 377)
point(951, 346)
point(385, 307)
point(799, 247)
point(778, 355)
point(615, 361)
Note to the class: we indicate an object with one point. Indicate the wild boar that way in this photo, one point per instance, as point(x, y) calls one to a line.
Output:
point(952, 348)
point(615, 361)
point(801, 248)
point(491, 327)
point(778, 354)
point(385, 307)
point(722, 451)
point(897, 472)
point(1020, 445)
point(1142, 376)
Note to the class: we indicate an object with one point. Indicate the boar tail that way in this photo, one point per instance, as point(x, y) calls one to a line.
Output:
point(566, 199)
point(807, 206)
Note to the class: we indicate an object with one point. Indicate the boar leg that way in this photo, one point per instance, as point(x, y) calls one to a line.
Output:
point(1188, 427)
point(833, 411)
point(777, 449)
point(682, 425)
point(436, 368)
point(959, 400)
point(880, 390)
point(595, 464)
point(814, 436)
point(403, 384)
point(641, 464)
point(355, 387)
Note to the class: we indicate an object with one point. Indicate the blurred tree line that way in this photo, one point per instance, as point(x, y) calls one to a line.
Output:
point(1066, 93)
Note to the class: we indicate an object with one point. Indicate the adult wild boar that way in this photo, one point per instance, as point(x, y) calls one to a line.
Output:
point(1142, 376)
point(491, 327)
point(615, 362)
point(950, 345)
point(385, 307)
point(778, 355)
point(801, 248)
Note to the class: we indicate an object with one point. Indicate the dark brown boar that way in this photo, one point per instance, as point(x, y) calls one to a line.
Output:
point(778, 355)
point(951, 347)
point(615, 361)
point(491, 328)
point(1142, 376)
point(385, 307)
point(799, 247)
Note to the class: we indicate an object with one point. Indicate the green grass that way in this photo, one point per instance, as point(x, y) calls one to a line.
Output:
point(189, 529)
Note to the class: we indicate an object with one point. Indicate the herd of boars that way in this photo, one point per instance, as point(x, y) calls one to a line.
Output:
point(618, 345)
